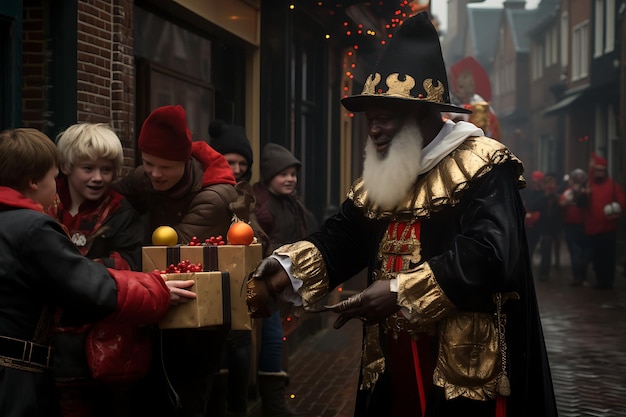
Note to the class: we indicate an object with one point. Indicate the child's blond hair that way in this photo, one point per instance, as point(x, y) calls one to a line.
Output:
point(25, 155)
point(87, 141)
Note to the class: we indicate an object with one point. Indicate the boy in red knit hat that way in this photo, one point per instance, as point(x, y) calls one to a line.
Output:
point(188, 186)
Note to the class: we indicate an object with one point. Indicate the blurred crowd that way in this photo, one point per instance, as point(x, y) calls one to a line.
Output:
point(583, 210)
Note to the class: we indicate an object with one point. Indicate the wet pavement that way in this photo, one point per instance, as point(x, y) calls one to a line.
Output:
point(585, 332)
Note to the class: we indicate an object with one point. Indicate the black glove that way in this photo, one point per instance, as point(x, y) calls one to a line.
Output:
point(371, 306)
point(264, 283)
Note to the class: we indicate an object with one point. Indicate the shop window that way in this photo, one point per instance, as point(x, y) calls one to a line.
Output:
point(159, 86)
point(173, 66)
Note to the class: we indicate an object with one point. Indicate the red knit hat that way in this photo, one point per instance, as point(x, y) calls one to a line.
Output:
point(165, 134)
point(537, 176)
point(597, 161)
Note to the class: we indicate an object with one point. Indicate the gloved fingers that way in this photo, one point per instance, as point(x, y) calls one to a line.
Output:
point(349, 303)
point(344, 318)
point(341, 320)
point(266, 268)
point(349, 308)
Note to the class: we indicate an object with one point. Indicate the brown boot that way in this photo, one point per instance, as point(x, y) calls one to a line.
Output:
point(272, 389)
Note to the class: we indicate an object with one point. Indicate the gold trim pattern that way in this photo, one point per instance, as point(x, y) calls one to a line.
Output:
point(373, 359)
point(21, 365)
point(405, 246)
point(370, 84)
point(434, 92)
point(444, 185)
point(402, 89)
point(307, 265)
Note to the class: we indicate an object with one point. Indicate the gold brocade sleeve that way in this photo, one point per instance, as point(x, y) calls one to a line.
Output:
point(421, 295)
point(308, 266)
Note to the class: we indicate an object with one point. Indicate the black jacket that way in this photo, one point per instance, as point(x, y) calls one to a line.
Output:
point(42, 271)
point(39, 266)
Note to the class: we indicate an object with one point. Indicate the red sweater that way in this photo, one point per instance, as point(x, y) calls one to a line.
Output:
point(603, 193)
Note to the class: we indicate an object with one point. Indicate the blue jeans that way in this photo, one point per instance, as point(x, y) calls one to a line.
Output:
point(270, 357)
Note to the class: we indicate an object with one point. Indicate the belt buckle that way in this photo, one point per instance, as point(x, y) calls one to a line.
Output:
point(48, 356)
point(27, 352)
point(397, 325)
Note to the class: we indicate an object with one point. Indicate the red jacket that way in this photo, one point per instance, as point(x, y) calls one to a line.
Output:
point(603, 193)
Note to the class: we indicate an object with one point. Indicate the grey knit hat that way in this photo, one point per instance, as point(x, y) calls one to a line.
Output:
point(274, 159)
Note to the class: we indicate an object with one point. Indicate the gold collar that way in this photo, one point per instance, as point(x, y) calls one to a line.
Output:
point(443, 185)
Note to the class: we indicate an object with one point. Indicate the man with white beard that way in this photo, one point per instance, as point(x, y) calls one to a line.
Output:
point(451, 324)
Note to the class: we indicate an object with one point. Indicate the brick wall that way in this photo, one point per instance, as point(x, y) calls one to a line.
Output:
point(105, 90)
point(34, 71)
point(93, 54)
point(123, 79)
point(105, 67)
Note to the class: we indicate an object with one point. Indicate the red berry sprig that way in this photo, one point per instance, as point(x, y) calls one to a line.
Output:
point(183, 267)
point(213, 240)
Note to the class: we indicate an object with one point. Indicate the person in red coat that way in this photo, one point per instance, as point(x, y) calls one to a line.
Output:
point(42, 273)
point(606, 202)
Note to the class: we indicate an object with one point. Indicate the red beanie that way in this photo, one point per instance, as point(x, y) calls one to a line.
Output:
point(165, 134)
point(537, 176)
point(597, 161)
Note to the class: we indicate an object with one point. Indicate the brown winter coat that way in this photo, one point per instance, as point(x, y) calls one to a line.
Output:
point(196, 206)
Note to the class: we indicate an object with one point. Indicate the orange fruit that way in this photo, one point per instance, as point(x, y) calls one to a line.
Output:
point(240, 233)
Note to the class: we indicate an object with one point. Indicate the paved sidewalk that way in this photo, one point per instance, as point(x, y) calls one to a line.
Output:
point(585, 332)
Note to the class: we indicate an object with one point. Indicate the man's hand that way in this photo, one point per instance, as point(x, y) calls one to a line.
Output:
point(179, 294)
point(264, 283)
point(371, 306)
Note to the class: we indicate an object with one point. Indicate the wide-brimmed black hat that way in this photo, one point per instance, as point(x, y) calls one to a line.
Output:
point(411, 69)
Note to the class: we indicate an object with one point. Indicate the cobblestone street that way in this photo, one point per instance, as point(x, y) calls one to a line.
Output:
point(585, 332)
point(585, 335)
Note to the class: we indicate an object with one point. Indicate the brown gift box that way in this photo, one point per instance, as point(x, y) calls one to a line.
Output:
point(211, 306)
point(237, 260)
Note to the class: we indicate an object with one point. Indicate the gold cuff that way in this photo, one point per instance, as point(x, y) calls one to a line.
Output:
point(308, 266)
point(421, 295)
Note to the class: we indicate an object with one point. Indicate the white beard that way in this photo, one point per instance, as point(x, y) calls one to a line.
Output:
point(388, 178)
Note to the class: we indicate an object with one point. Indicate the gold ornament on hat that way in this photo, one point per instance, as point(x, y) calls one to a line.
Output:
point(433, 93)
point(402, 89)
point(371, 83)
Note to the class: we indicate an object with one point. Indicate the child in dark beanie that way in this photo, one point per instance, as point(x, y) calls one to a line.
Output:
point(285, 220)
point(232, 142)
